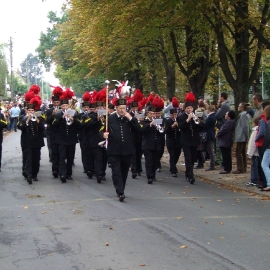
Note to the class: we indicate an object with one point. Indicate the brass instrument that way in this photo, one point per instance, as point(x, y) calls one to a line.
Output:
point(33, 118)
point(159, 128)
point(73, 102)
point(196, 119)
point(68, 121)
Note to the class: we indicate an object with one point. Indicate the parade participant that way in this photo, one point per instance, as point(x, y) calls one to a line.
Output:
point(52, 130)
point(121, 126)
point(94, 125)
point(85, 110)
point(173, 140)
point(3, 124)
point(66, 136)
point(136, 161)
point(150, 144)
point(33, 128)
point(190, 127)
point(158, 103)
point(111, 108)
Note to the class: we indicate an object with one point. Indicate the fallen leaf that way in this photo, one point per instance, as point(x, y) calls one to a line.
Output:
point(169, 192)
point(219, 200)
point(106, 244)
point(183, 247)
point(201, 206)
point(221, 223)
point(20, 225)
point(206, 222)
point(208, 243)
point(180, 217)
point(221, 237)
point(111, 228)
point(44, 212)
point(26, 207)
point(142, 264)
point(241, 235)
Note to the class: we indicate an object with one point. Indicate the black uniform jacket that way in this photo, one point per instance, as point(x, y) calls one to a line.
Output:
point(32, 134)
point(120, 140)
point(189, 131)
point(173, 135)
point(3, 124)
point(51, 130)
point(66, 134)
point(152, 140)
point(93, 129)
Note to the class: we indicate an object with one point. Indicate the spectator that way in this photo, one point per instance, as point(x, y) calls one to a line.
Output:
point(257, 102)
point(168, 108)
point(210, 131)
point(14, 115)
point(266, 150)
point(253, 153)
point(225, 141)
point(241, 138)
point(224, 107)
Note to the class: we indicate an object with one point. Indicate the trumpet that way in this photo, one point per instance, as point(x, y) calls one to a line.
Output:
point(68, 121)
point(73, 102)
point(34, 118)
point(195, 119)
point(159, 128)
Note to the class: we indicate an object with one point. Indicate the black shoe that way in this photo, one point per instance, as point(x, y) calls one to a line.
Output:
point(158, 170)
point(224, 172)
point(35, 179)
point(24, 174)
point(55, 174)
point(29, 180)
point(262, 186)
point(63, 179)
point(210, 169)
point(69, 177)
point(122, 197)
point(89, 174)
point(73, 164)
point(174, 175)
point(150, 181)
point(134, 175)
point(103, 178)
point(84, 171)
point(99, 178)
point(198, 167)
point(192, 181)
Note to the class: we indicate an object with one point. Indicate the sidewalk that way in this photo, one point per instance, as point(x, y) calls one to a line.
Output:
point(235, 182)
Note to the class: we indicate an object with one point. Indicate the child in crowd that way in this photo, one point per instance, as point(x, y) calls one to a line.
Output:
point(253, 153)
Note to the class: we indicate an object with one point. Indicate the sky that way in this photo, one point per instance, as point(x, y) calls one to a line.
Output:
point(24, 20)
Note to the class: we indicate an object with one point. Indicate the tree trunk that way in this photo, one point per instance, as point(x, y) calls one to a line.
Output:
point(137, 80)
point(170, 80)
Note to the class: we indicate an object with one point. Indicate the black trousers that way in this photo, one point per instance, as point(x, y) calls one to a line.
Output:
point(48, 137)
point(120, 166)
point(23, 158)
point(55, 157)
point(190, 157)
point(98, 161)
point(66, 153)
point(83, 155)
point(226, 153)
point(261, 172)
point(160, 153)
point(136, 160)
point(151, 160)
point(174, 154)
point(32, 161)
point(89, 158)
point(104, 160)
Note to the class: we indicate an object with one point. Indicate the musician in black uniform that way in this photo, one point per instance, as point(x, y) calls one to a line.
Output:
point(150, 144)
point(136, 161)
point(3, 124)
point(161, 138)
point(173, 140)
point(121, 126)
point(66, 139)
point(94, 125)
point(33, 128)
point(85, 111)
point(189, 138)
point(51, 135)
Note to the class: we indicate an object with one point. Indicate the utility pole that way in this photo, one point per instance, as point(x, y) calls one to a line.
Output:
point(11, 67)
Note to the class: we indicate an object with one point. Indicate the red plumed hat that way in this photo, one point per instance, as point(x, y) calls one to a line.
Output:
point(138, 95)
point(158, 103)
point(140, 107)
point(37, 102)
point(57, 91)
point(67, 94)
point(144, 101)
point(101, 95)
point(114, 100)
point(35, 89)
point(190, 99)
point(29, 95)
point(86, 96)
point(150, 98)
point(175, 102)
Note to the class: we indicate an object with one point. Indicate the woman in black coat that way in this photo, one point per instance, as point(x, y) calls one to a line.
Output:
point(225, 141)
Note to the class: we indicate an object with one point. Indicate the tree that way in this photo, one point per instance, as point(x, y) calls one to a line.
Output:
point(3, 71)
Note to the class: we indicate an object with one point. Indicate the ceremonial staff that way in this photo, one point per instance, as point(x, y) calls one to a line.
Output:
point(107, 109)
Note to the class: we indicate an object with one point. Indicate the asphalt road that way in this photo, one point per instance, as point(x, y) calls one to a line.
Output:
point(168, 225)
